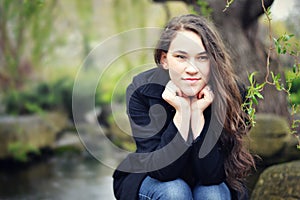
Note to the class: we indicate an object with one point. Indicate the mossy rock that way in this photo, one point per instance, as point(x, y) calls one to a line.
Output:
point(269, 135)
point(121, 138)
point(29, 132)
point(279, 182)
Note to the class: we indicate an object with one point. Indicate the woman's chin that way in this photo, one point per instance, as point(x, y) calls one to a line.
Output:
point(189, 94)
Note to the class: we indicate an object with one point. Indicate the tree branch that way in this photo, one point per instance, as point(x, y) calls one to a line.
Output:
point(252, 10)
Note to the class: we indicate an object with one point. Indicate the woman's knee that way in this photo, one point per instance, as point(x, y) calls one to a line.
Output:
point(177, 189)
point(213, 192)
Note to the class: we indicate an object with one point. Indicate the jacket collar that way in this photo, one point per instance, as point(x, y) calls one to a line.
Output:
point(156, 83)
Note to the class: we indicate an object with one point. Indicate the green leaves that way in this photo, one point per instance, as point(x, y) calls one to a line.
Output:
point(277, 81)
point(204, 7)
point(20, 151)
point(254, 90)
point(253, 94)
point(282, 44)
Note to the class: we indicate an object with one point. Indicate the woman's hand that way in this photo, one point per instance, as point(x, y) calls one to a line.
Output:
point(203, 100)
point(198, 105)
point(173, 95)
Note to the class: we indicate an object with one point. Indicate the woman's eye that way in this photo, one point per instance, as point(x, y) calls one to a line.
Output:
point(203, 58)
point(180, 56)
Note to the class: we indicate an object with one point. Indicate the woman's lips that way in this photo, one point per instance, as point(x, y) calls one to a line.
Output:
point(191, 80)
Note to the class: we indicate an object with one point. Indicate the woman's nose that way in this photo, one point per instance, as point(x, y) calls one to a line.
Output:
point(191, 68)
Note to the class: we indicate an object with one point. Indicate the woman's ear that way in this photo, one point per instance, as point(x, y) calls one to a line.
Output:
point(163, 60)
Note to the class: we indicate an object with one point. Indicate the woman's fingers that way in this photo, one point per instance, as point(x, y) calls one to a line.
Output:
point(169, 92)
point(206, 93)
point(204, 99)
point(209, 94)
point(173, 89)
point(173, 95)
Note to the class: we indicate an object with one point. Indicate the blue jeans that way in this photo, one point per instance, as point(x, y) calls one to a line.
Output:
point(178, 189)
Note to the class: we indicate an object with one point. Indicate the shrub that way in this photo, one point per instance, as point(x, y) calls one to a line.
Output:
point(295, 89)
point(44, 96)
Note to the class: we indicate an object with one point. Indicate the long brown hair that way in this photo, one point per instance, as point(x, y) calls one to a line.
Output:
point(228, 99)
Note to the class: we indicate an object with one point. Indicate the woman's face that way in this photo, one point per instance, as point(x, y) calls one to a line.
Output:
point(187, 62)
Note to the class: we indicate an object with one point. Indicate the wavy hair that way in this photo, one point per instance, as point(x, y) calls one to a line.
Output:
point(228, 98)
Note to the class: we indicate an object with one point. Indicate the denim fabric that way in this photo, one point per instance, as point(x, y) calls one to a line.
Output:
point(152, 189)
point(212, 192)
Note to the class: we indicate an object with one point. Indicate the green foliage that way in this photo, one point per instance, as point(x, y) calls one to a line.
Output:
point(283, 46)
point(26, 27)
point(205, 9)
point(55, 95)
point(111, 89)
point(41, 97)
point(293, 87)
point(20, 151)
point(293, 91)
point(282, 43)
point(253, 94)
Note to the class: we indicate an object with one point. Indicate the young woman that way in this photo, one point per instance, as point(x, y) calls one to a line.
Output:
point(187, 121)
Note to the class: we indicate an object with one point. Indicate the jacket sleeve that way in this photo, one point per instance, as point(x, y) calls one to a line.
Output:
point(161, 151)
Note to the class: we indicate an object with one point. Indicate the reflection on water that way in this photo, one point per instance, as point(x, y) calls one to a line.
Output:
point(63, 178)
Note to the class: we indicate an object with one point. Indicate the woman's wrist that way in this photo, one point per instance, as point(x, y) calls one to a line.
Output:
point(197, 123)
point(182, 122)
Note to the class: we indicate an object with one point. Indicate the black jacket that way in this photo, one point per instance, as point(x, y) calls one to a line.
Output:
point(161, 151)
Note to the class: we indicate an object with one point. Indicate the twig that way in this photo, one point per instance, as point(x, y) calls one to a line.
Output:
point(270, 40)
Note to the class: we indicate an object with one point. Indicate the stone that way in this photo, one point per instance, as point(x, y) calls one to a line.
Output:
point(30, 131)
point(270, 135)
point(279, 182)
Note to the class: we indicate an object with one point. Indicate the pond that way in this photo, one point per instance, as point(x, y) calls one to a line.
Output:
point(59, 178)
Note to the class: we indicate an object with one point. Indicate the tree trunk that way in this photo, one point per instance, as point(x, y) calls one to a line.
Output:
point(238, 26)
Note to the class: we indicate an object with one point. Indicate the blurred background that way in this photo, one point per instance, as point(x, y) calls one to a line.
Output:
point(64, 69)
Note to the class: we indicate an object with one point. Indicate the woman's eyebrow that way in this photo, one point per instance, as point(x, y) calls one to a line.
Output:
point(179, 51)
point(202, 53)
point(184, 52)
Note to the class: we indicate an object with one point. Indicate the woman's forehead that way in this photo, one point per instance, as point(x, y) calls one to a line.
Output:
point(187, 41)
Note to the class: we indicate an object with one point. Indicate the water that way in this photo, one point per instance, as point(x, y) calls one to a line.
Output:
point(59, 178)
point(67, 175)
